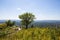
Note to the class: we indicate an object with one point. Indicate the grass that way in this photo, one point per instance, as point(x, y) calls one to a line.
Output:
point(34, 34)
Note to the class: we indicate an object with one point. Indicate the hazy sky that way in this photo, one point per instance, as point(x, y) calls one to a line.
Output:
point(42, 9)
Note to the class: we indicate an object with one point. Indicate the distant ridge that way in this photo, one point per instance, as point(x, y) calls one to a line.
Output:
point(37, 22)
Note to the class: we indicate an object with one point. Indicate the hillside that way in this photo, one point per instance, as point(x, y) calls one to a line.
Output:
point(34, 34)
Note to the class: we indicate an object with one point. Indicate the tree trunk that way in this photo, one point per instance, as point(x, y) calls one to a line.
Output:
point(26, 26)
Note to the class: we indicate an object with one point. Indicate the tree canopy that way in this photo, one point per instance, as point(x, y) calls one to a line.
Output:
point(27, 18)
point(10, 23)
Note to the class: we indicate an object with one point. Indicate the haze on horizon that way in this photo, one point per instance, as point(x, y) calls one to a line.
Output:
point(42, 9)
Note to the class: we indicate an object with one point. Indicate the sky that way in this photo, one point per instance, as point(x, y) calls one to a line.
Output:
point(42, 9)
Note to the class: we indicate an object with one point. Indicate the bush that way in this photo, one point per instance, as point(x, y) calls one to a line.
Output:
point(2, 26)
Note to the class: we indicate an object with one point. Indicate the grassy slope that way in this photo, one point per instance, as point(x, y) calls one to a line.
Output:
point(35, 34)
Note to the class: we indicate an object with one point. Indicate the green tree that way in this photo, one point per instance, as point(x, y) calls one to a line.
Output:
point(10, 23)
point(26, 19)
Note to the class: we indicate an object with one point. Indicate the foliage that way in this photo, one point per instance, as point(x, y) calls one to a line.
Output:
point(35, 34)
point(3, 25)
point(7, 31)
point(10, 23)
point(5, 28)
point(26, 18)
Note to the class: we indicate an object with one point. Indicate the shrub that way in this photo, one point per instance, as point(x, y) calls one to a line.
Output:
point(2, 26)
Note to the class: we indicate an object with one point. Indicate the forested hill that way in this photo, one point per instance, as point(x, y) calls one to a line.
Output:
point(39, 23)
